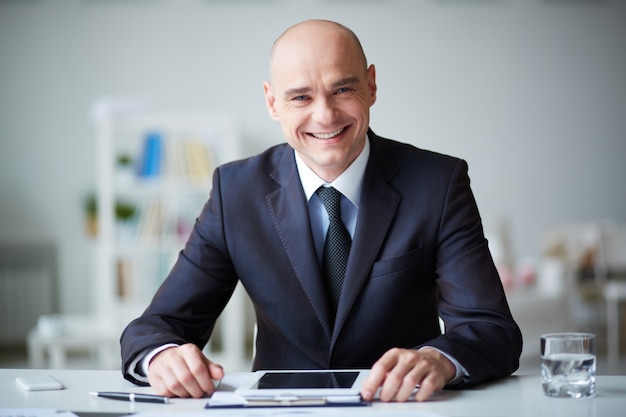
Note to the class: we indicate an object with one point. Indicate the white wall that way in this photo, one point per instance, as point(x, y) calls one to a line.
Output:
point(531, 92)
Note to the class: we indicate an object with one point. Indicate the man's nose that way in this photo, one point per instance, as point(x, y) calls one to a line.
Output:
point(324, 111)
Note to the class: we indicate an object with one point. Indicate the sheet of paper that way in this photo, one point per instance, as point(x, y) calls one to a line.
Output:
point(224, 398)
point(296, 412)
point(231, 382)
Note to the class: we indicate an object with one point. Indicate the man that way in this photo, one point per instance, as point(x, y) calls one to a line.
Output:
point(416, 248)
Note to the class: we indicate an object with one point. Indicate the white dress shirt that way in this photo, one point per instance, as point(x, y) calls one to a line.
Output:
point(348, 184)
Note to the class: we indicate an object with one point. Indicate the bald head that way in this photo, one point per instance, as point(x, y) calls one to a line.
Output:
point(321, 91)
point(317, 32)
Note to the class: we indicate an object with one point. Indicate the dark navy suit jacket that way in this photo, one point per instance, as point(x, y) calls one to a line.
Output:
point(418, 252)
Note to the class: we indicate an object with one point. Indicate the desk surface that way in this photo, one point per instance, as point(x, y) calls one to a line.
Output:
point(513, 396)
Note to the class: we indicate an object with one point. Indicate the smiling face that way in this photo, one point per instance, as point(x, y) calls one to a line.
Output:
point(320, 93)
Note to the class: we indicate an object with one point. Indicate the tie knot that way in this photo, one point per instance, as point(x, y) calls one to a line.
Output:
point(331, 199)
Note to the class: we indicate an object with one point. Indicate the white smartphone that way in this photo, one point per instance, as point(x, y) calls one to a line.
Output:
point(39, 383)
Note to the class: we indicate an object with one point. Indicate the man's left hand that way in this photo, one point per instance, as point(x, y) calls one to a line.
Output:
point(399, 371)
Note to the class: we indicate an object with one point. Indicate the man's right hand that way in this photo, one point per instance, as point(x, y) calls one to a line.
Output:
point(183, 371)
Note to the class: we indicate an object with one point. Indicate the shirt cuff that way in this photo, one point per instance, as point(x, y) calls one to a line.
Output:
point(138, 368)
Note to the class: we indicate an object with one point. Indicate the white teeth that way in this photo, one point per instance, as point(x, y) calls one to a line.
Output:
point(328, 135)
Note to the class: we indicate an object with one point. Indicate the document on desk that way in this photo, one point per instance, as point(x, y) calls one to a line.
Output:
point(296, 412)
point(223, 399)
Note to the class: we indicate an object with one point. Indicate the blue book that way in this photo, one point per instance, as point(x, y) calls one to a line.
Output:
point(152, 155)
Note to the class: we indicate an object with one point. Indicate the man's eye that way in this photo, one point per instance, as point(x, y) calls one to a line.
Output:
point(343, 90)
point(300, 98)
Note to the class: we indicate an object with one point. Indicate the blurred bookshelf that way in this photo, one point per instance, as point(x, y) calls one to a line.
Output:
point(153, 177)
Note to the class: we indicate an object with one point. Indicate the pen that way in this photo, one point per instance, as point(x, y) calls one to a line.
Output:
point(132, 397)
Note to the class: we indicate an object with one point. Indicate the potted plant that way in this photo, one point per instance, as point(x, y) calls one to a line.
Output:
point(91, 214)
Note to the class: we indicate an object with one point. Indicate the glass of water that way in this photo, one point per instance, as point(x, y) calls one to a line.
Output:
point(568, 364)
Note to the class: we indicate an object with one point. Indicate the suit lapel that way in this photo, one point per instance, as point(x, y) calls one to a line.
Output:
point(289, 213)
point(377, 208)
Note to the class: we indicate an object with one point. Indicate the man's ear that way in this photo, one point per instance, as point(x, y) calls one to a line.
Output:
point(371, 82)
point(270, 100)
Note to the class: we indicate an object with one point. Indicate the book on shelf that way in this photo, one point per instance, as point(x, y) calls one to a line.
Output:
point(188, 158)
point(152, 155)
point(152, 222)
point(198, 162)
point(125, 278)
point(139, 276)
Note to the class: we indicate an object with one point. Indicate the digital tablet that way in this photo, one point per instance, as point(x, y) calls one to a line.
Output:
point(304, 383)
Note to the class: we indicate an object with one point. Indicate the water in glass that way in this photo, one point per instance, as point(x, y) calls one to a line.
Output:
point(570, 375)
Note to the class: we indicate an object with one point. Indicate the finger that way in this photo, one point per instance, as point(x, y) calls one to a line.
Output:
point(203, 371)
point(373, 381)
point(165, 382)
point(377, 374)
point(186, 384)
point(440, 371)
point(157, 383)
point(174, 372)
point(433, 382)
point(399, 379)
point(216, 371)
point(409, 383)
point(206, 374)
point(194, 375)
point(179, 379)
point(159, 373)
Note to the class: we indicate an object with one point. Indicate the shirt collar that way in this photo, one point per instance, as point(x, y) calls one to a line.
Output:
point(348, 183)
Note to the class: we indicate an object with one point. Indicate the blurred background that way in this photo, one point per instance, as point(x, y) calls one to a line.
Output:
point(532, 93)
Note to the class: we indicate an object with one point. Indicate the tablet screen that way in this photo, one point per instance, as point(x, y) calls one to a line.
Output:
point(291, 380)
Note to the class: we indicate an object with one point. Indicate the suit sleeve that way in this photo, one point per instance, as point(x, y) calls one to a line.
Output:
point(479, 330)
point(195, 292)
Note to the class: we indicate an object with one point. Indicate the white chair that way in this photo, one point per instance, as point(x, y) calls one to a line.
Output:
point(56, 336)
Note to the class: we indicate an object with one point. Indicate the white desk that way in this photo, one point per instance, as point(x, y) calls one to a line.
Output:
point(513, 396)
